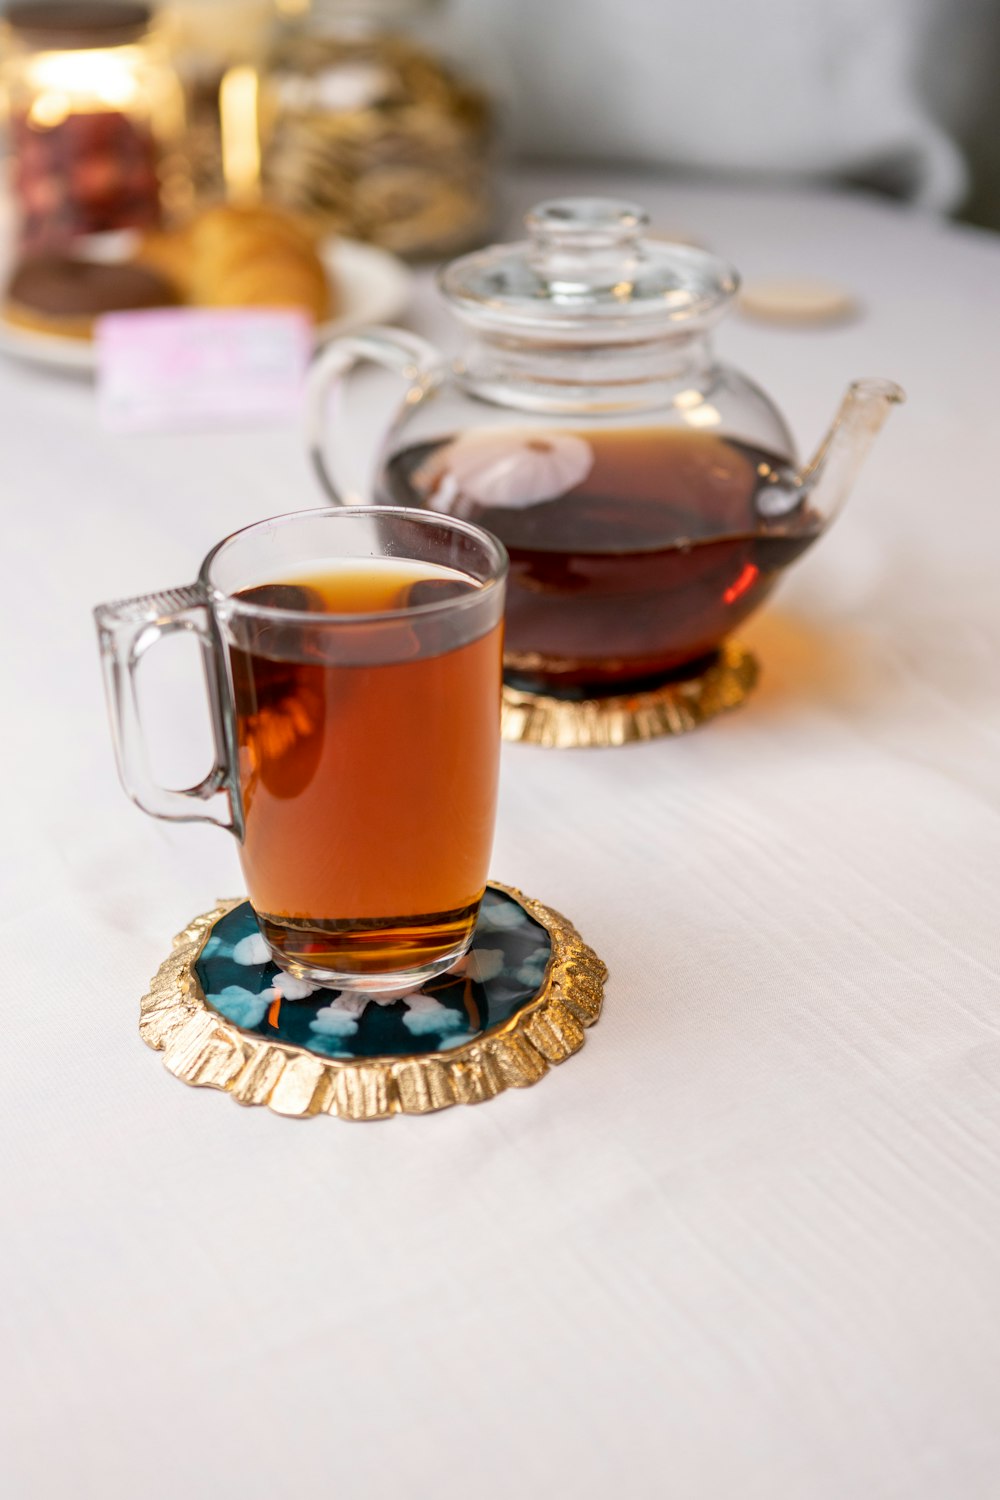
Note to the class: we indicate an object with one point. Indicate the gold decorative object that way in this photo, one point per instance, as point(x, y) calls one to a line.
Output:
point(205, 1050)
point(377, 139)
point(673, 708)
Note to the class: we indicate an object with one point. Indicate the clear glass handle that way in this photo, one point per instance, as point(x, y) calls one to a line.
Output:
point(417, 361)
point(126, 631)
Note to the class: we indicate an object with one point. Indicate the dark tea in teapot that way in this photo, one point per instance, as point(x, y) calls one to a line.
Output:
point(633, 551)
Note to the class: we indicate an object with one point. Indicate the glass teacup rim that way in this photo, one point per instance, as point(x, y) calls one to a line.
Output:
point(493, 547)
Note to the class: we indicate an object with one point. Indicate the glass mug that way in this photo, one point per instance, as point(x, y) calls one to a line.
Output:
point(353, 660)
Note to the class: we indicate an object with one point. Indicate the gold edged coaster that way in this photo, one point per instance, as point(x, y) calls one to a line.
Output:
point(562, 996)
point(672, 708)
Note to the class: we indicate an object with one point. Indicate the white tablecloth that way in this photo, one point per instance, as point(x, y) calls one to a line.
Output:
point(744, 1244)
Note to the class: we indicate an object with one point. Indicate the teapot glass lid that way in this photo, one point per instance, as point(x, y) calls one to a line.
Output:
point(589, 273)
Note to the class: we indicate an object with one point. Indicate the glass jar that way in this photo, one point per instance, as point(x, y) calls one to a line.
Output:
point(215, 45)
point(368, 129)
point(95, 115)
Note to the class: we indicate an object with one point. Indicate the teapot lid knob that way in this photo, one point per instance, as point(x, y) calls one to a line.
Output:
point(586, 222)
point(581, 245)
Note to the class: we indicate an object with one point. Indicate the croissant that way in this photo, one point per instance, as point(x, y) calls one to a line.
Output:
point(243, 256)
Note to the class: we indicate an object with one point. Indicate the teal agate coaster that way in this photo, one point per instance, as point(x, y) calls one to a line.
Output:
point(502, 971)
point(226, 1017)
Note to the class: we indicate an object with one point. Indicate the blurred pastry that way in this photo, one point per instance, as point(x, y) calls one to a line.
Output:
point(243, 255)
point(63, 295)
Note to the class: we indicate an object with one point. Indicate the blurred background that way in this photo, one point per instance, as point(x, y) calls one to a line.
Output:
point(390, 120)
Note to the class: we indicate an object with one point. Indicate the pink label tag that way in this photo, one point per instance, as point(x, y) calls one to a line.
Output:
point(193, 367)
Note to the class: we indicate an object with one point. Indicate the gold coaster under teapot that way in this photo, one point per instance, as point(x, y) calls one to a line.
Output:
point(517, 1004)
point(674, 707)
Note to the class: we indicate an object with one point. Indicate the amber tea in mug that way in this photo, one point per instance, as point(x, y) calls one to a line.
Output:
point(368, 779)
point(355, 662)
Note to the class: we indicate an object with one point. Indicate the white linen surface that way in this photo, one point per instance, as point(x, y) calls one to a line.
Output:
point(745, 1244)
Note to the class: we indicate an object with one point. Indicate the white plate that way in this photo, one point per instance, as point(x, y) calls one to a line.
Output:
point(373, 287)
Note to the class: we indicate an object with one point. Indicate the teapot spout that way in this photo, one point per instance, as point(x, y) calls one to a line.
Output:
point(828, 478)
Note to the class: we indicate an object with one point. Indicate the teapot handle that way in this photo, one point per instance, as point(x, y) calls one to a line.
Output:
point(404, 353)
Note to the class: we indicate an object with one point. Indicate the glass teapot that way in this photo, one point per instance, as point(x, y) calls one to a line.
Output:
point(648, 496)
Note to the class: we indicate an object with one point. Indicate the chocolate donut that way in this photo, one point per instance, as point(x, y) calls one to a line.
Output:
point(62, 295)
